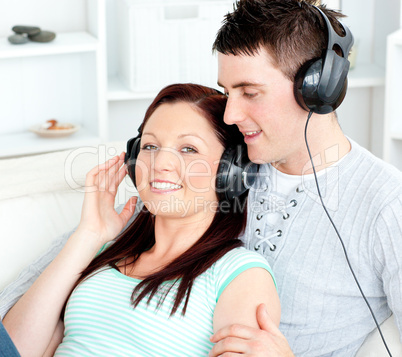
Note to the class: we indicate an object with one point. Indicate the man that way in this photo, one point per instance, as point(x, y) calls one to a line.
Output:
point(261, 47)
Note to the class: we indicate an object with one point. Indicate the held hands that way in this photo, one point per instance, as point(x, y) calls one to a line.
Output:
point(98, 216)
point(243, 340)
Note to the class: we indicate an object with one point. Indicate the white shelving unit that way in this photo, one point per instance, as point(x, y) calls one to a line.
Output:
point(393, 113)
point(73, 42)
point(366, 75)
point(64, 79)
point(77, 78)
point(126, 108)
point(117, 91)
point(362, 114)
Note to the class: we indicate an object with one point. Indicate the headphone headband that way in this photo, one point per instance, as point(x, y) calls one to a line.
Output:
point(320, 84)
point(329, 89)
point(344, 42)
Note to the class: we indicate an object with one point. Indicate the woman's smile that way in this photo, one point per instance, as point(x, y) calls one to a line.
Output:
point(162, 186)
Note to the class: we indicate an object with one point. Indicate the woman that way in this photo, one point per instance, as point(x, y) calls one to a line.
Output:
point(177, 274)
point(7, 347)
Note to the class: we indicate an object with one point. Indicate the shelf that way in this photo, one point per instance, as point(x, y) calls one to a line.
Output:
point(66, 42)
point(29, 143)
point(396, 38)
point(366, 75)
point(117, 91)
point(397, 136)
point(361, 76)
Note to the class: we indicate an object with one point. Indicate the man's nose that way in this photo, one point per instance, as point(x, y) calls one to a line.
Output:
point(233, 112)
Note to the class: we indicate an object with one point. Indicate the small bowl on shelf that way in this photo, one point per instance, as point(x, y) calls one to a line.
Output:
point(53, 129)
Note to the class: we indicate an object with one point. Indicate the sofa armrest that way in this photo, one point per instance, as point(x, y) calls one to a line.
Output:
point(373, 345)
point(41, 198)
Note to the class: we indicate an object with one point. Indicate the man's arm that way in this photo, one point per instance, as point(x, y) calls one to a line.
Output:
point(387, 253)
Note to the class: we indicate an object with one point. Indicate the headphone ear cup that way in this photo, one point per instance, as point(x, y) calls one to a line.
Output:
point(236, 173)
point(306, 89)
point(223, 172)
point(320, 84)
point(133, 149)
point(306, 85)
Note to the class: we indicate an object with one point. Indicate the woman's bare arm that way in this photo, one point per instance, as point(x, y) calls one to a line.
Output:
point(240, 299)
point(236, 327)
point(56, 340)
point(33, 319)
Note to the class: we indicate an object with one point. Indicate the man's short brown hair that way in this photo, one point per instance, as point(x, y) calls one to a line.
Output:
point(292, 31)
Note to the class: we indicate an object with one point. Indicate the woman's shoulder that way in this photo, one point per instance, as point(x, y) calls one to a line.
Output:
point(233, 263)
point(242, 255)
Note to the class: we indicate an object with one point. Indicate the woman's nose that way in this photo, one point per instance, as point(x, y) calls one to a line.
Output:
point(166, 159)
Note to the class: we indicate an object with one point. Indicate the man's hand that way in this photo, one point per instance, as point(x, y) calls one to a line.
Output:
point(243, 340)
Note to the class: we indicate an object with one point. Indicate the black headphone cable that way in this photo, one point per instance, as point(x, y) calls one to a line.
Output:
point(339, 236)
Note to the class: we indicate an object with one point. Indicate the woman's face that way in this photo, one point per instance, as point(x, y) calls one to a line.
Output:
point(178, 161)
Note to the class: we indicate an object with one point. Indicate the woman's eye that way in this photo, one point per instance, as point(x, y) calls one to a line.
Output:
point(189, 149)
point(149, 147)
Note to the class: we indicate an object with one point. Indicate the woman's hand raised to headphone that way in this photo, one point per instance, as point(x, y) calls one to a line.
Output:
point(98, 217)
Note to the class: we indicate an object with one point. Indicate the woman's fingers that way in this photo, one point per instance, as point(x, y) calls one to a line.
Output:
point(119, 177)
point(111, 174)
point(106, 173)
point(128, 210)
point(106, 176)
point(92, 178)
point(116, 175)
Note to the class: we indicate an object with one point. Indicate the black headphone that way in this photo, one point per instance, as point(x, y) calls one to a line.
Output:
point(320, 87)
point(235, 175)
point(320, 84)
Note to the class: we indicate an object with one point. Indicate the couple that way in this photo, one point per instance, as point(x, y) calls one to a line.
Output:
point(261, 47)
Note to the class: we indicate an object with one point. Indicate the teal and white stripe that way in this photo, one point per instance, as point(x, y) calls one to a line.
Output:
point(100, 321)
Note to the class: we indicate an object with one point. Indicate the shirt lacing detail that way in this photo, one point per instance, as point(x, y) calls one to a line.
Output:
point(262, 240)
point(283, 210)
point(278, 233)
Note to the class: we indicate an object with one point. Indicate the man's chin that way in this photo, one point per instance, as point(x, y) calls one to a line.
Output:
point(257, 157)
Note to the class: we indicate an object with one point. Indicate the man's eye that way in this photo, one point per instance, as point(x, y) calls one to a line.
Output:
point(189, 149)
point(149, 147)
point(250, 95)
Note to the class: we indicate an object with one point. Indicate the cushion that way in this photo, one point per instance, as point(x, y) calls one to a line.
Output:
point(41, 197)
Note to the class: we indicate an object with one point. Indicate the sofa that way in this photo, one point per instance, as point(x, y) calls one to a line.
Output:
point(41, 198)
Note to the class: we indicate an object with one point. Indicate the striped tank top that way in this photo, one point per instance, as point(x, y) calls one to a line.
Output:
point(100, 320)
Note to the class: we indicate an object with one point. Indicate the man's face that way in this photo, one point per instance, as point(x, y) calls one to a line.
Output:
point(261, 103)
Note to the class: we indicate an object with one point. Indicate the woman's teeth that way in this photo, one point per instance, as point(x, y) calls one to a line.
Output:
point(165, 186)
